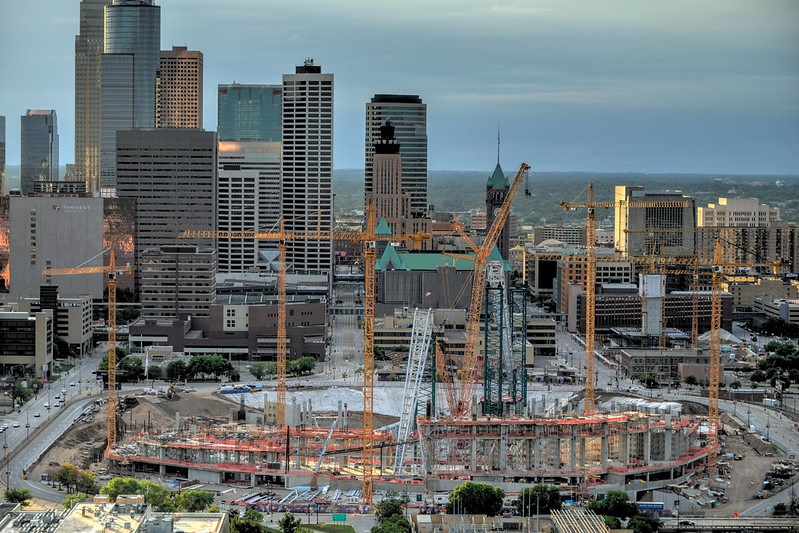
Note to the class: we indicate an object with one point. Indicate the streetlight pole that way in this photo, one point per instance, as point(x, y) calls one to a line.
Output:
point(537, 513)
point(5, 454)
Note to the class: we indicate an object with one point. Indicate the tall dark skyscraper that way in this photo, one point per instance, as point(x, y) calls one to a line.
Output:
point(129, 64)
point(39, 148)
point(307, 164)
point(408, 115)
point(88, 48)
point(249, 113)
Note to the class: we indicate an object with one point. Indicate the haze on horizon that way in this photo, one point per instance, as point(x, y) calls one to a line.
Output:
point(615, 86)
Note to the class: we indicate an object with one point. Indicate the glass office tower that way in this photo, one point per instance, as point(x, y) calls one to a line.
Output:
point(130, 62)
point(249, 113)
point(39, 148)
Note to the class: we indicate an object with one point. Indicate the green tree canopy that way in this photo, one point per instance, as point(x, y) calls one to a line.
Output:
point(157, 496)
point(133, 367)
point(289, 524)
point(120, 485)
point(615, 503)
point(73, 499)
point(393, 524)
point(176, 370)
point(540, 499)
point(258, 370)
point(475, 498)
point(392, 504)
point(644, 523)
point(194, 501)
point(155, 372)
point(18, 495)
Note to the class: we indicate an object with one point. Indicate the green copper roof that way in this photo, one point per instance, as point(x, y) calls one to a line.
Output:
point(382, 227)
point(393, 260)
point(498, 179)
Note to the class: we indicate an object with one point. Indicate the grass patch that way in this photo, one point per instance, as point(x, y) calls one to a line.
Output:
point(330, 528)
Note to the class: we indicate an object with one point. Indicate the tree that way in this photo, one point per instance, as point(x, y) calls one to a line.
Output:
point(157, 496)
point(392, 504)
point(616, 503)
point(18, 496)
point(780, 509)
point(394, 524)
point(120, 485)
point(289, 524)
point(68, 475)
point(539, 499)
point(87, 482)
point(612, 522)
point(258, 370)
point(644, 523)
point(155, 372)
point(175, 370)
point(735, 385)
point(194, 501)
point(60, 348)
point(475, 498)
point(691, 381)
point(133, 367)
point(73, 499)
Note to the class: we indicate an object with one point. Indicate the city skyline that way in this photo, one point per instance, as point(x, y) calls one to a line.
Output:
point(614, 87)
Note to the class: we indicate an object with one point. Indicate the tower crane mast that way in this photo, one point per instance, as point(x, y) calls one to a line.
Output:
point(111, 325)
point(472, 365)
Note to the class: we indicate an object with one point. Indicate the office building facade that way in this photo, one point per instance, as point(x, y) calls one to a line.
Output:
point(2, 156)
point(737, 213)
point(248, 197)
point(171, 173)
point(307, 165)
point(177, 281)
point(129, 64)
point(26, 340)
point(39, 148)
point(89, 45)
point(179, 89)
point(55, 232)
point(408, 115)
point(777, 242)
point(643, 226)
point(387, 197)
point(249, 113)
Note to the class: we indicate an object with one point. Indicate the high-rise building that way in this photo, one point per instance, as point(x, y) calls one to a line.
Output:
point(249, 113)
point(2, 155)
point(177, 281)
point(652, 229)
point(408, 115)
point(248, 198)
point(55, 232)
point(39, 153)
point(387, 196)
point(179, 89)
point(737, 213)
point(307, 164)
point(172, 175)
point(129, 63)
point(89, 45)
point(779, 241)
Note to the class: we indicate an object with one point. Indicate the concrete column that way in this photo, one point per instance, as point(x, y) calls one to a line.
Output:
point(473, 455)
point(503, 447)
point(668, 436)
point(624, 443)
point(581, 448)
point(648, 442)
point(537, 452)
point(161, 470)
point(573, 449)
point(604, 445)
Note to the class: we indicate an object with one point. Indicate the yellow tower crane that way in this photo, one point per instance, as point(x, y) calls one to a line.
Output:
point(472, 366)
point(367, 238)
point(590, 277)
point(112, 270)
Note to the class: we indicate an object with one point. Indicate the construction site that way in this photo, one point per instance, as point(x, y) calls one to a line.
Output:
point(447, 431)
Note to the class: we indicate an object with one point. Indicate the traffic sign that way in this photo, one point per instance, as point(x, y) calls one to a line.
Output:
point(339, 517)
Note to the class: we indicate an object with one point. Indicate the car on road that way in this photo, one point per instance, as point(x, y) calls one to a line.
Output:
point(687, 523)
point(71, 383)
point(2, 429)
point(15, 424)
point(57, 404)
point(46, 405)
point(37, 414)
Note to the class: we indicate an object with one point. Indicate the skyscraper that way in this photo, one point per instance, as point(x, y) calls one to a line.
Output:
point(249, 113)
point(408, 115)
point(130, 61)
point(88, 48)
point(39, 148)
point(388, 198)
point(179, 89)
point(307, 164)
point(2, 156)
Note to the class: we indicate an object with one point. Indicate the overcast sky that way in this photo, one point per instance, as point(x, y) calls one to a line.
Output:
point(594, 85)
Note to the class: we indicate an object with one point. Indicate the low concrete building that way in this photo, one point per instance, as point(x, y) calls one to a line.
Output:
point(26, 340)
point(662, 365)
